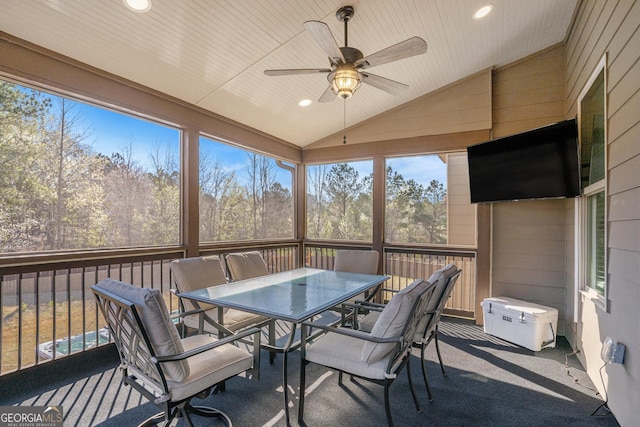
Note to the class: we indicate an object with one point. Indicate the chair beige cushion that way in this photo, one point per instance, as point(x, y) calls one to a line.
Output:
point(344, 353)
point(210, 367)
point(246, 265)
point(440, 278)
point(366, 323)
point(199, 272)
point(356, 261)
point(232, 319)
point(191, 274)
point(155, 317)
point(392, 321)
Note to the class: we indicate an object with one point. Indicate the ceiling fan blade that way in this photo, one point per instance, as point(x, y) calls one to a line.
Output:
point(391, 86)
point(406, 49)
point(322, 35)
point(287, 72)
point(328, 95)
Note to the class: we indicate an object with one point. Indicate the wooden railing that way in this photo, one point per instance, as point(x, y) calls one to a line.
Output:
point(405, 264)
point(45, 299)
point(48, 310)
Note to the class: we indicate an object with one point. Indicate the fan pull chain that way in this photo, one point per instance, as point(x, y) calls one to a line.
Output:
point(344, 123)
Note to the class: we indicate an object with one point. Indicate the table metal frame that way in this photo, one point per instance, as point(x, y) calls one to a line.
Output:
point(310, 292)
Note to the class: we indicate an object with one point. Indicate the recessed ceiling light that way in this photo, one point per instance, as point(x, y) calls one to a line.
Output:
point(140, 6)
point(304, 102)
point(483, 11)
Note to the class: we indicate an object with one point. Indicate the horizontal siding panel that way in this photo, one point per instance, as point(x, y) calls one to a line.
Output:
point(624, 235)
point(622, 76)
point(625, 265)
point(626, 117)
point(539, 293)
point(519, 261)
point(511, 128)
point(553, 232)
point(462, 200)
point(625, 147)
point(625, 23)
point(504, 248)
point(595, 45)
point(543, 79)
point(543, 61)
point(581, 62)
point(522, 112)
point(625, 296)
point(531, 212)
point(534, 95)
point(625, 176)
point(545, 278)
point(624, 206)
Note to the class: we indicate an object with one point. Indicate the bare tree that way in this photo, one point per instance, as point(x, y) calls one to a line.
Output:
point(66, 142)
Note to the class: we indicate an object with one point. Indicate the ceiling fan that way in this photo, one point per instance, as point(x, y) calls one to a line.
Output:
point(348, 63)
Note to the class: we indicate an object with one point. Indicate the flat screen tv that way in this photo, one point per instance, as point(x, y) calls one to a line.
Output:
point(540, 163)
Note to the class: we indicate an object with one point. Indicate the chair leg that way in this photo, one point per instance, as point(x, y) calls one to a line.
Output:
point(302, 387)
point(413, 389)
point(424, 372)
point(387, 407)
point(272, 340)
point(207, 411)
point(438, 351)
point(153, 420)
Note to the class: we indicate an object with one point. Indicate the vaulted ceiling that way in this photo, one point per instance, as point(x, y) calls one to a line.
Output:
point(212, 53)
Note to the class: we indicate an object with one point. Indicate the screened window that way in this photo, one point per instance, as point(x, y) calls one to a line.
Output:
point(592, 227)
point(76, 176)
point(243, 195)
point(340, 201)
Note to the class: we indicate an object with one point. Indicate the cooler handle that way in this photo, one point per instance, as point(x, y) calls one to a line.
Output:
point(553, 334)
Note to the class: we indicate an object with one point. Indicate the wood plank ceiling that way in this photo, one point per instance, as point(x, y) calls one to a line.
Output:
point(212, 53)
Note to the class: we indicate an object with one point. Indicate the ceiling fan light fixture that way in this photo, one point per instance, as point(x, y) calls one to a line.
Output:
point(345, 81)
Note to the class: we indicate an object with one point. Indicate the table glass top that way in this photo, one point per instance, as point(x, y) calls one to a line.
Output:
point(293, 295)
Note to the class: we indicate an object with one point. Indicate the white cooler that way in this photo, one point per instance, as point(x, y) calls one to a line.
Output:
point(529, 325)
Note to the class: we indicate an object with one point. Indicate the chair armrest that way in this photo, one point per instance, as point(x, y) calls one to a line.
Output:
point(186, 313)
point(207, 347)
point(354, 333)
point(367, 305)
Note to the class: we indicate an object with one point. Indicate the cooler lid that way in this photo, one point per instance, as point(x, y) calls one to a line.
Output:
point(520, 306)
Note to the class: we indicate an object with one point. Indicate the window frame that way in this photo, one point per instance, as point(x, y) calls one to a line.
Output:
point(284, 165)
point(95, 102)
point(582, 221)
point(348, 161)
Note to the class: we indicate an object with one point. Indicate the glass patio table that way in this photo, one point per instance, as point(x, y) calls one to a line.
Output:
point(293, 296)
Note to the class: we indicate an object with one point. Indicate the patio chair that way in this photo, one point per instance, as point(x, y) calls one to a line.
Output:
point(378, 356)
point(246, 265)
point(356, 261)
point(444, 280)
point(190, 274)
point(155, 361)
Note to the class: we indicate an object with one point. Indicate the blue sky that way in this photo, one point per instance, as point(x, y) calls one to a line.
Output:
point(114, 132)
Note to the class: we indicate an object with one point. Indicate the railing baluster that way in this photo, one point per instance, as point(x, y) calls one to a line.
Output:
point(20, 328)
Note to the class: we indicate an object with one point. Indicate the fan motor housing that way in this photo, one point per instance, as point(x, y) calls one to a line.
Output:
point(351, 54)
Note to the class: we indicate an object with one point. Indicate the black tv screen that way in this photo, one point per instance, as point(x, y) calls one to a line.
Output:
point(540, 163)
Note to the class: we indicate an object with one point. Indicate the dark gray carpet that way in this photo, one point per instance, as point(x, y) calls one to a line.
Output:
point(489, 383)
